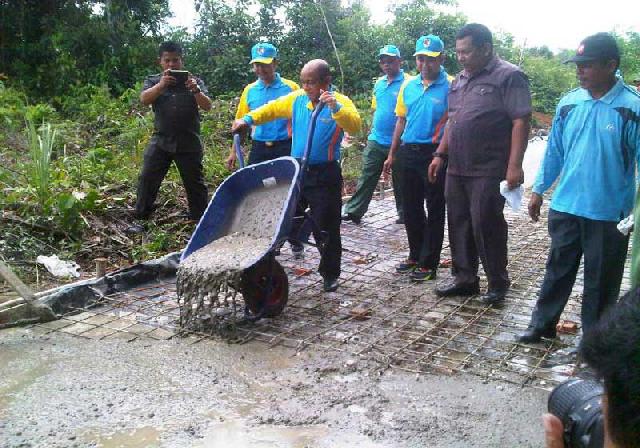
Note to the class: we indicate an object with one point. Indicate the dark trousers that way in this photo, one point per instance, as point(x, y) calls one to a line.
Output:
point(322, 193)
point(154, 169)
point(425, 232)
point(605, 251)
point(261, 152)
point(373, 159)
point(477, 228)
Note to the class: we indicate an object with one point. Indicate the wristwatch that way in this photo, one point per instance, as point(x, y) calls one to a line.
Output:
point(442, 155)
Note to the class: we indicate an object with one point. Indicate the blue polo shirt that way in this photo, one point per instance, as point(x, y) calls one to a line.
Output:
point(425, 108)
point(257, 94)
point(330, 125)
point(383, 102)
point(594, 147)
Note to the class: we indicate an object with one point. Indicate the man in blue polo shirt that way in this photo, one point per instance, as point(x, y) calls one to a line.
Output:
point(270, 140)
point(594, 148)
point(422, 115)
point(383, 102)
point(322, 186)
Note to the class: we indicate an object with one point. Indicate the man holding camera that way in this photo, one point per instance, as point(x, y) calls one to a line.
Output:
point(176, 97)
point(612, 350)
point(594, 149)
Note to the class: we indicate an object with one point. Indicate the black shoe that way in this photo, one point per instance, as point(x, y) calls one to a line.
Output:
point(494, 296)
point(455, 289)
point(330, 284)
point(298, 251)
point(351, 217)
point(135, 229)
point(407, 265)
point(423, 274)
point(400, 221)
point(535, 335)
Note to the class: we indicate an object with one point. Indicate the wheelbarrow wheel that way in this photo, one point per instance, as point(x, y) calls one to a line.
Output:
point(265, 289)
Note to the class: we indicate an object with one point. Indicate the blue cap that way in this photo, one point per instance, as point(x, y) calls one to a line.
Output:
point(429, 45)
point(389, 50)
point(263, 53)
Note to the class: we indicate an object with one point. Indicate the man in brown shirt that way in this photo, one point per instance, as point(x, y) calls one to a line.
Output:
point(485, 140)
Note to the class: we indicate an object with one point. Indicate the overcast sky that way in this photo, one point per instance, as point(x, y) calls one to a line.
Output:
point(555, 23)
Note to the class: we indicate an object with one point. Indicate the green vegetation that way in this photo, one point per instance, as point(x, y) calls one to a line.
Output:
point(72, 129)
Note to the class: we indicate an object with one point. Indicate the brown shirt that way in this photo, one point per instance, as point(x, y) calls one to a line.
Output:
point(481, 110)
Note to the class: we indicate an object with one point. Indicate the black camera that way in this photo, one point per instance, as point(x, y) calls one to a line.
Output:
point(578, 403)
point(180, 75)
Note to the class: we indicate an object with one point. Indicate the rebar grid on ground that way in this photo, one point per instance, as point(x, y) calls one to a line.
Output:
point(376, 313)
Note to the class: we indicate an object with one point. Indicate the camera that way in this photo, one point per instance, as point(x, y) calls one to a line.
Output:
point(180, 75)
point(578, 404)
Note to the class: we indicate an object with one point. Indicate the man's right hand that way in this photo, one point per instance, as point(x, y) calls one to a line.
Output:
point(535, 202)
point(386, 168)
point(434, 169)
point(239, 125)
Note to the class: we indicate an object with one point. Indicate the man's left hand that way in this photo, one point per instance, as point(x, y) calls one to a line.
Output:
point(515, 177)
point(239, 125)
point(553, 431)
point(192, 85)
point(329, 99)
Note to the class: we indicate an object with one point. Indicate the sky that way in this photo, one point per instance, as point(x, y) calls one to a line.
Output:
point(555, 23)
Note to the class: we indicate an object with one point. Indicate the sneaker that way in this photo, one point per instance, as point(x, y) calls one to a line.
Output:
point(330, 284)
point(298, 251)
point(407, 265)
point(351, 217)
point(423, 274)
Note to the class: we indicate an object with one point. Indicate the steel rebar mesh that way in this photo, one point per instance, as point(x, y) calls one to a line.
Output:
point(376, 313)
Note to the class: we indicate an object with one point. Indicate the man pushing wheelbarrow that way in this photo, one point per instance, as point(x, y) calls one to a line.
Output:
point(322, 181)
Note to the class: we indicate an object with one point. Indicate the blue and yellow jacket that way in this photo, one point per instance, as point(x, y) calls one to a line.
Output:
point(258, 94)
point(329, 130)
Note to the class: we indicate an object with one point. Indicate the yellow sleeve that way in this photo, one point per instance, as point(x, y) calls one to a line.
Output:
point(347, 117)
point(278, 108)
point(243, 106)
point(401, 108)
point(291, 84)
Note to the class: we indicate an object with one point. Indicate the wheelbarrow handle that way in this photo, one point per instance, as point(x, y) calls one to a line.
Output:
point(238, 149)
point(312, 128)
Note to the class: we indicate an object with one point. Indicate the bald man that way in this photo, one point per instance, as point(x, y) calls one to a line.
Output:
point(322, 187)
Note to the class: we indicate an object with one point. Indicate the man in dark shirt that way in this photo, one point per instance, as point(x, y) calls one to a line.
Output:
point(485, 140)
point(176, 135)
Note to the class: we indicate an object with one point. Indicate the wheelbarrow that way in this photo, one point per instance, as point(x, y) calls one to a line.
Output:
point(263, 283)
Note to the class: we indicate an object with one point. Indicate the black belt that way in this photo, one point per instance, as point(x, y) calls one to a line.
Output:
point(419, 146)
point(274, 142)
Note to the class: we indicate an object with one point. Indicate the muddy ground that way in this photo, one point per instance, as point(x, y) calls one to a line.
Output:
point(64, 391)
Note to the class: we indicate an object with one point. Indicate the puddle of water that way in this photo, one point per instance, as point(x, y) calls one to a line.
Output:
point(145, 437)
point(16, 376)
point(236, 434)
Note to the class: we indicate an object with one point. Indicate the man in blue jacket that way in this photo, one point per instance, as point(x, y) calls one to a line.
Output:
point(593, 148)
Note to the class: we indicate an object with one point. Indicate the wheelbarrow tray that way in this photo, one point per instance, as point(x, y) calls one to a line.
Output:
point(222, 213)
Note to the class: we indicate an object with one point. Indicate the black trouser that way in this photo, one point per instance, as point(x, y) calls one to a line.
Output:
point(322, 193)
point(263, 151)
point(154, 169)
point(424, 232)
point(477, 228)
point(605, 251)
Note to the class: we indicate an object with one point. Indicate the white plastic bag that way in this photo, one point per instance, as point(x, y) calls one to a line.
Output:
point(513, 197)
point(58, 267)
point(626, 225)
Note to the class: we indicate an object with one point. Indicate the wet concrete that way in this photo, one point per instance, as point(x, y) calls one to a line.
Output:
point(64, 391)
